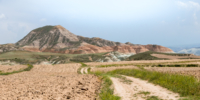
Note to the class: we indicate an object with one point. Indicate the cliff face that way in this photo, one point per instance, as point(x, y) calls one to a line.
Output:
point(59, 40)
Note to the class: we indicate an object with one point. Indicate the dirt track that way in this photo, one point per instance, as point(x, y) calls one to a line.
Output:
point(135, 90)
point(48, 82)
point(84, 70)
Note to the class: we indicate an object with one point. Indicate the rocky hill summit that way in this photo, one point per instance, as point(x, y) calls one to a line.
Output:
point(59, 40)
point(49, 37)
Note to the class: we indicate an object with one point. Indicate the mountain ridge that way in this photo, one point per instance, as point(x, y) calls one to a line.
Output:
point(60, 40)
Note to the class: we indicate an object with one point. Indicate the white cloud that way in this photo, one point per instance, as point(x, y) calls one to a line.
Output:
point(189, 5)
point(2, 16)
point(194, 4)
point(43, 19)
point(182, 4)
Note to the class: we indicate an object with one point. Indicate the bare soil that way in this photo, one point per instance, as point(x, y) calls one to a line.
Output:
point(49, 82)
point(8, 68)
point(137, 89)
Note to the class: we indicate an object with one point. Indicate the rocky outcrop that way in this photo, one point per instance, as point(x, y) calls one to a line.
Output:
point(99, 42)
point(59, 40)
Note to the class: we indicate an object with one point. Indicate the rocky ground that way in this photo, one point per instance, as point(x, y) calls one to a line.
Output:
point(49, 82)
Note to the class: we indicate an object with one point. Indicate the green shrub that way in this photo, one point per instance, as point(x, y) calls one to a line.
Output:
point(83, 65)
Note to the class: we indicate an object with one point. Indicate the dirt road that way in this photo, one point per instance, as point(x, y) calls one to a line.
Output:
point(84, 70)
point(138, 89)
point(141, 90)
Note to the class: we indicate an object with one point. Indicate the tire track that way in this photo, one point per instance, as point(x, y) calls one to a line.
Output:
point(84, 70)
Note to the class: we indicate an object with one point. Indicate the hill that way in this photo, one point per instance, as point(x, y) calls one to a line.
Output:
point(57, 39)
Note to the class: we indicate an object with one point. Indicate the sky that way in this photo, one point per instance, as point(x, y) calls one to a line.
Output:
point(162, 22)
